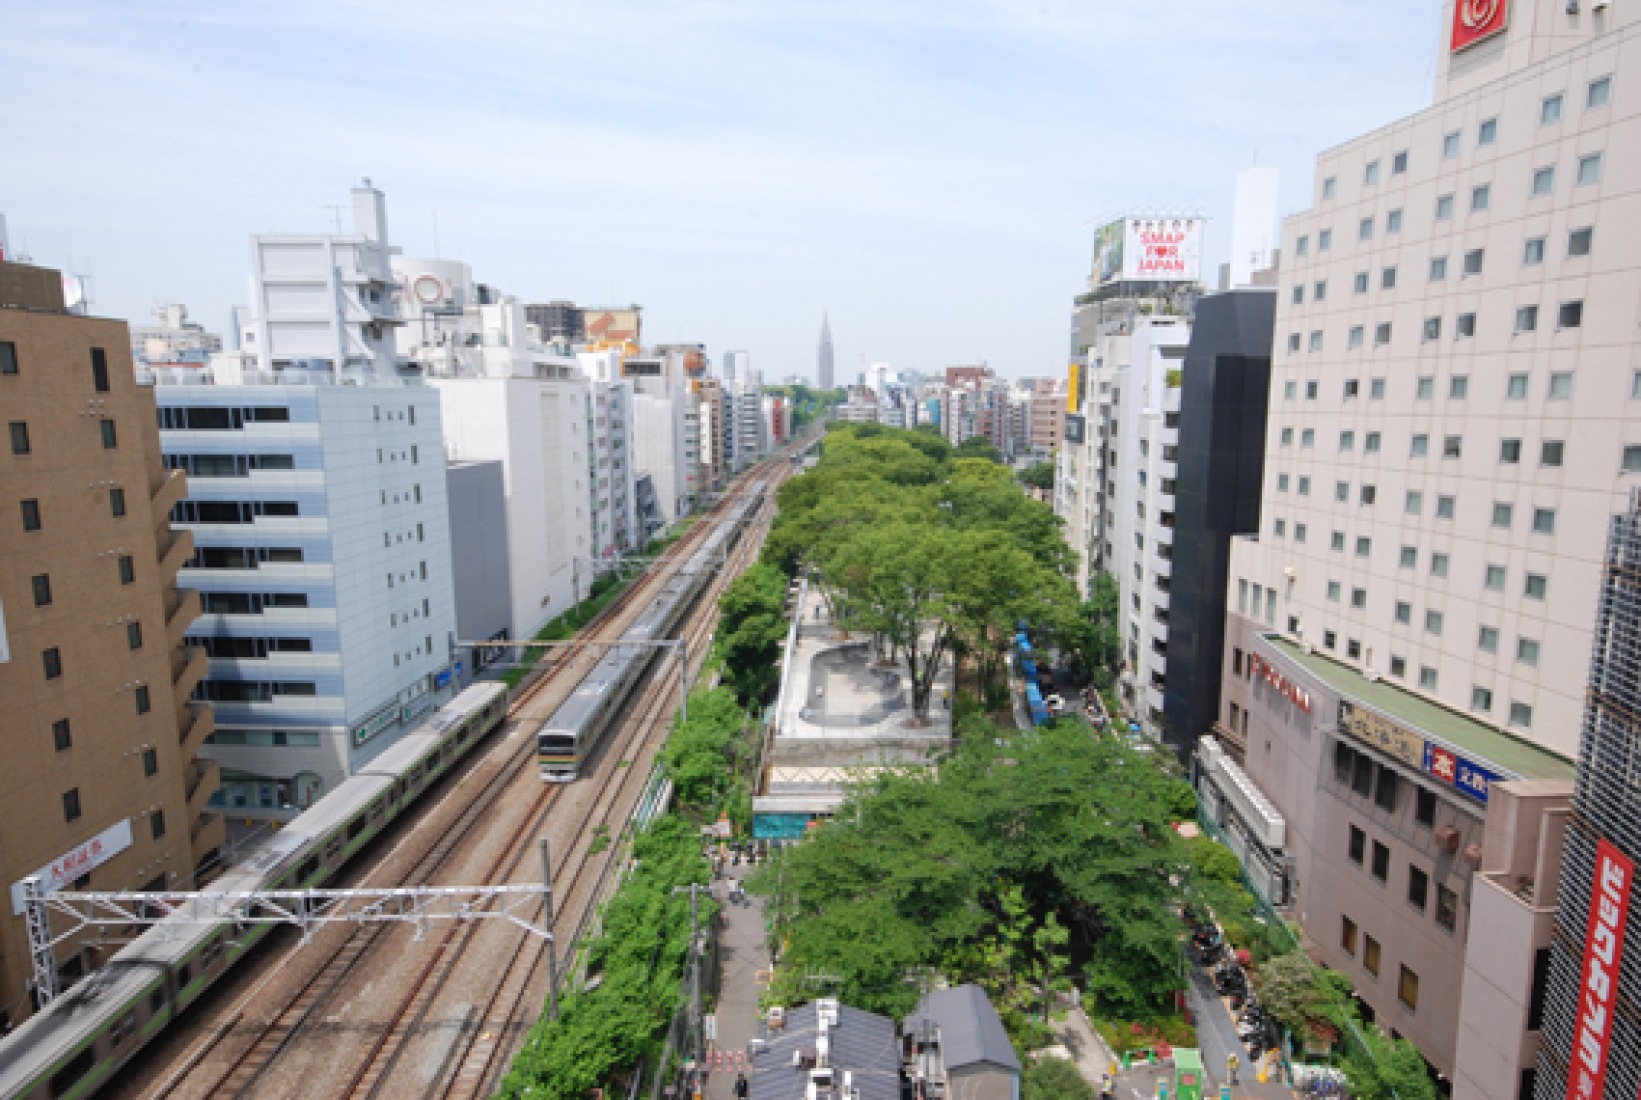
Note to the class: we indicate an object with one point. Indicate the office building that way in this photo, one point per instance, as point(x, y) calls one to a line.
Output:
point(1452, 422)
point(823, 358)
point(480, 560)
point(173, 340)
point(101, 739)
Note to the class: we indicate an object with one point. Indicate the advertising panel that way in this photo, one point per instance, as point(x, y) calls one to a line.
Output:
point(1074, 391)
point(1598, 976)
point(1163, 250)
point(78, 861)
point(1457, 772)
point(1262, 669)
point(1478, 20)
point(1383, 734)
point(1108, 251)
point(614, 326)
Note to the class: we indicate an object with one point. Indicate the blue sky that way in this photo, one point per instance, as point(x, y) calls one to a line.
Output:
point(929, 172)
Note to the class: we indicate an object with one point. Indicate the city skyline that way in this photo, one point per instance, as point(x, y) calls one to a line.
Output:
point(920, 175)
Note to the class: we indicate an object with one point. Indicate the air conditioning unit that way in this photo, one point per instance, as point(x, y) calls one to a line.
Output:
point(1371, 675)
point(1448, 838)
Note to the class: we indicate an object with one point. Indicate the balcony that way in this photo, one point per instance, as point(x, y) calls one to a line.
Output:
point(1160, 599)
point(183, 612)
point(201, 778)
point(172, 488)
point(197, 722)
point(188, 667)
point(1163, 535)
point(176, 549)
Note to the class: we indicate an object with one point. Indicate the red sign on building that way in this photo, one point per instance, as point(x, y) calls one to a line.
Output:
point(1598, 977)
point(1477, 20)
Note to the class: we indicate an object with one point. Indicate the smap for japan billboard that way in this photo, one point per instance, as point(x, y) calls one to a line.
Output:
point(1162, 250)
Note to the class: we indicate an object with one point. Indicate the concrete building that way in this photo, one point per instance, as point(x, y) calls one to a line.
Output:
point(666, 433)
point(1044, 400)
point(558, 322)
point(1452, 423)
point(480, 565)
point(173, 340)
point(101, 741)
point(954, 1041)
point(823, 358)
point(736, 365)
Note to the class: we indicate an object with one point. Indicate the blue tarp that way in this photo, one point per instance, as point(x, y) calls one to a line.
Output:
point(1029, 667)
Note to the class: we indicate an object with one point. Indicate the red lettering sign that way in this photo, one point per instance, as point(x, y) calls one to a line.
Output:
point(1477, 20)
point(1443, 765)
point(1598, 989)
point(1292, 692)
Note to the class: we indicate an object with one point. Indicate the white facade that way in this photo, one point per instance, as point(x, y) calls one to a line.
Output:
point(666, 432)
point(1455, 405)
point(172, 338)
point(1253, 223)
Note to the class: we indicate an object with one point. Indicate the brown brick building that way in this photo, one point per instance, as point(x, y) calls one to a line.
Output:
point(100, 786)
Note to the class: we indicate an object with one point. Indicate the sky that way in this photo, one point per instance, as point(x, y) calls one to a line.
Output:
point(929, 173)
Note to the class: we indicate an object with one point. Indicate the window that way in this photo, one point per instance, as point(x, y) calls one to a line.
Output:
point(1515, 388)
point(99, 370)
point(128, 571)
point(1427, 678)
point(1299, 532)
point(133, 635)
point(1281, 483)
point(1376, 389)
point(144, 703)
point(1393, 221)
point(1537, 586)
point(1532, 252)
point(1521, 715)
point(1361, 283)
point(1338, 543)
point(1358, 598)
point(1418, 887)
point(1303, 247)
point(1544, 181)
point(1293, 341)
point(61, 739)
point(1632, 459)
point(1290, 390)
point(1329, 639)
point(1526, 318)
point(150, 762)
point(1307, 439)
point(1481, 197)
point(1589, 169)
point(1413, 504)
point(1358, 844)
point(1407, 990)
point(1444, 208)
point(1420, 446)
point(1398, 163)
point(1341, 491)
point(8, 357)
point(1319, 292)
point(1561, 386)
point(1364, 230)
point(1509, 451)
point(1333, 591)
point(1370, 955)
point(1438, 565)
point(110, 438)
point(1453, 446)
point(1387, 279)
point(1458, 387)
point(1347, 441)
point(1503, 514)
point(1472, 261)
point(1281, 528)
point(156, 823)
point(1410, 557)
point(1487, 639)
point(51, 661)
point(1329, 187)
point(1310, 390)
point(1450, 145)
point(1355, 340)
point(1316, 340)
point(1527, 651)
point(1438, 269)
point(1398, 666)
point(1432, 328)
point(1487, 132)
point(1364, 546)
point(1447, 908)
point(1578, 242)
point(116, 503)
point(1304, 485)
point(1464, 326)
point(1404, 612)
point(19, 438)
point(1550, 109)
point(71, 804)
point(1381, 861)
point(42, 590)
point(1544, 521)
point(1381, 334)
point(1347, 936)
point(1598, 93)
point(1481, 699)
point(1352, 389)
point(31, 514)
point(1551, 452)
point(1433, 622)
point(1298, 295)
point(1370, 443)
point(1370, 174)
point(1424, 807)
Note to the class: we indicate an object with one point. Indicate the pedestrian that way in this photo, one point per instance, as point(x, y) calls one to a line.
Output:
point(741, 1087)
point(1231, 1063)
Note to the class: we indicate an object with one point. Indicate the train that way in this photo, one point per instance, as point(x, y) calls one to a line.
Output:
point(575, 730)
point(73, 1046)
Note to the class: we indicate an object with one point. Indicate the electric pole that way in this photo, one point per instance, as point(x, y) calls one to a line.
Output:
point(547, 921)
point(697, 1035)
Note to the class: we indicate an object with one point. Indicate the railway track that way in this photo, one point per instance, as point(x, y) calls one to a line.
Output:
point(496, 773)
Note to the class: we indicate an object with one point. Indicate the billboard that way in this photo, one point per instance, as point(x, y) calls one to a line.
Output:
point(613, 326)
point(1108, 249)
point(1598, 975)
point(76, 862)
point(1074, 389)
point(1477, 20)
point(1143, 249)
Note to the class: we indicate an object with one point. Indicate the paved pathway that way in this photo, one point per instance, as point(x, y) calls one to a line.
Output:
point(743, 970)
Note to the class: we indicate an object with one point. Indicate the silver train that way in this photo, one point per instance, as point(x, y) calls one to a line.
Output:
point(75, 1044)
point(573, 733)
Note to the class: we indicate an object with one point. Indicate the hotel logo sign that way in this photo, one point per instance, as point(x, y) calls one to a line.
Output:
point(1598, 976)
point(1478, 20)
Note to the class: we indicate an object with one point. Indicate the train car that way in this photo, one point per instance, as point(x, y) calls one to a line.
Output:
point(73, 1046)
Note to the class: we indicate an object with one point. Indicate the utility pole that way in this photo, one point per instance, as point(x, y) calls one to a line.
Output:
point(697, 1035)
point(547, 921)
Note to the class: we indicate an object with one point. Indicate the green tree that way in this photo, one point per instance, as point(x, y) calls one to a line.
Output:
point(978, 446)
point(1051, 1078)
point(751, 629)
point(1039, 475)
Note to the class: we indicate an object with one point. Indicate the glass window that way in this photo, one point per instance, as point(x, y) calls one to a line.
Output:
point(1358, 844)
point(1447, 908)
point(1481, 699)
point(1427, 678)
point(8, 357)
point(1487, 132)
point(1370, 955)
point(1550, 110)
point(1307, 439)
point(1381, 334)
point(1393, 221)
point(1515, 388)
point(1347, 936)
point(1364, 546)
point(1329, 188)
point(1364, 230)
point(1487, 639)
point(1444, 208)
point(1473, 261)
point(1503, 514)
point(1544, 180)
point(1561, 385)
point(1433, 622)
point(1299, 532)
point(1425, 389)
point(51, 661)
point(1316, 340)
point(1293, 341)
point(1453, 446)
point(1551, 452)
point(61, 738)
point(1578, 241)
point(1438, 268)
point(150, 762)
point(1598, 93)
point(133, 635)
point(1361, 283)
point(1376, 388)
point(1544, 521)
point(1303, 248)
point(1481, 197)
point(1632, 459)
point(1424, 807)
point(1299, 295)
point(1521, 715)
point(1420, 446)
point(116, 502)
point(1458, 387)
point(1527, 651)
point(1450, 145)
point(1464, 326)
point(1495, 578)
point(1370, 174)
point(1532, 252)
point(1355, 340)
point(1281, 483)
point(1432, 328)
point(1358, 599)
point(1398, 163)
point(1407, 990)
point(1319, 292)
point(110, 437)
point(1414, 503)
point(1324, 240)
point(1370, 443)
point(1290, 390)
point(1347, 441)
point(142, 700)
point(1387, 279)
point(71, 805)
point(1438, 565)
point(1404, 612)
point(1398, 666)
point(1589, 169)
point(19, 437)
point(1410, 557)
point(1381, 861)
point(1509, 451)
point(1304, 485)
point(1418, 889)
point(1446, 506)
point(1527, 319)
point(1334, 590)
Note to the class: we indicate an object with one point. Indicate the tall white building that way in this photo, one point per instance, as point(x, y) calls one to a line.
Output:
point(172, 340)
point(666, 434)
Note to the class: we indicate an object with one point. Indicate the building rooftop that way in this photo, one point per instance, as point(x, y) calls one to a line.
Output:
point(860, 1043)
point(970, 1032)
point(1507, 753)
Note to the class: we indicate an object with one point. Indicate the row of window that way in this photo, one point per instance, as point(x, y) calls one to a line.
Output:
point(244, 557)
point(22, 445)
point(72, 811)
point(232, 511)
point(214, 418)
point(249, 603)
point(99, 364)
point(228, 465)
point(1597, 94)
point(397, 617)
point(29, 508)
point(1407, 988)
point(62, 739)
point(250, 649)
point(1503, 512)
point(251, 691)
point(1418, 880)
point(1569, 316)
point(280, 739)
point(1516, 387)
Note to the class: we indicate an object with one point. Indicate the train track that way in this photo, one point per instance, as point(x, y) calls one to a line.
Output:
point(496, 773)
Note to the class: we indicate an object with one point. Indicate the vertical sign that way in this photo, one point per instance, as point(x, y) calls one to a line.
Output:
point(1477, 20)
point(1598, 977)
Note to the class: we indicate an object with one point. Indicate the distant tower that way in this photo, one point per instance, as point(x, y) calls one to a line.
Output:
point(823, 365)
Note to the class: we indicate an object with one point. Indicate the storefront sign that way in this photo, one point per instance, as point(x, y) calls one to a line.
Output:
point(418, 706)
point(375, 724)
point(1383, 734)
point(1598, 987)
point(1456, 771)
point(441, 679)
point(76, 862)
point(1292, 692)
point(1478, 20)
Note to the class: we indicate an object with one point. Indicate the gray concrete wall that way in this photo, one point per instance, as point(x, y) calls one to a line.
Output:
point(478, 545)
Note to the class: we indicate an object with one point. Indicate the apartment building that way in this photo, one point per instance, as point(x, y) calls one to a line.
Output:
point(105, 786)
point(1452, 421)
point(173, 340)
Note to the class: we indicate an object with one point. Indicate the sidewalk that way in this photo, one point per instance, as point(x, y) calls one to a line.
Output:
point(743, 962)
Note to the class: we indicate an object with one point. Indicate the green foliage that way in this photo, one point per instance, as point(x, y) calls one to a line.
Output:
point(1148, 1033)
point(640, 955)
point(1394, 1070)
point(699, 752)
point(1039, 475)
point(1174, 378)
point(978, 446)
point(604, 591)
point(1300, 996)
point(1050, 1078)
point(992, 867)
point(751, 629)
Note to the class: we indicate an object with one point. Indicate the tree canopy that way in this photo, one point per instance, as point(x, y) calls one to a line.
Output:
point(1039, 475)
